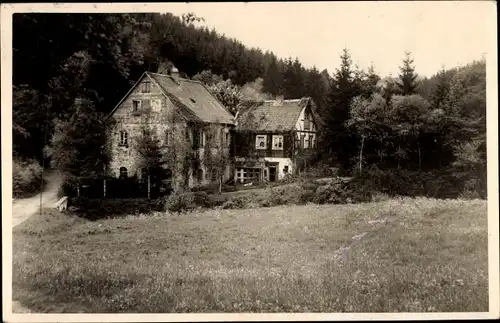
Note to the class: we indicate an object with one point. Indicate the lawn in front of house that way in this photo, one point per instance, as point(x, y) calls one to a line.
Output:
point(407, 255)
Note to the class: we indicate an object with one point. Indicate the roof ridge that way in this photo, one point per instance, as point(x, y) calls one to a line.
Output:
point(177, 78)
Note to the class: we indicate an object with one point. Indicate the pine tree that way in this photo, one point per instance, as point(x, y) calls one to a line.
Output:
point(407, 78)
point(338, 140)
point(273, 78)
point(440, 90)
point(79, 144)
point(370, 82)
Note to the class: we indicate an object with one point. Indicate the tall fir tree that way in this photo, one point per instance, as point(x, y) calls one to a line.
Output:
point(408, 77)
point(338, 141)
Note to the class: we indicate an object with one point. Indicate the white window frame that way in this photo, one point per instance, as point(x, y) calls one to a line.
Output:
point(123, 138)
point(155, 105)
point(258, 140)
point(277, 139)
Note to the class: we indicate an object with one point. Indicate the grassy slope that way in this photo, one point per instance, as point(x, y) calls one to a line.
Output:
point(430, 255)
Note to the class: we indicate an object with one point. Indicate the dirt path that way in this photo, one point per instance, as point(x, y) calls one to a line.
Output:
point(26, 207)
point(23, 208)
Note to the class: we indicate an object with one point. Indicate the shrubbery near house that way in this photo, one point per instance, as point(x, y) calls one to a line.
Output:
point(94, 209)
point(26, 178)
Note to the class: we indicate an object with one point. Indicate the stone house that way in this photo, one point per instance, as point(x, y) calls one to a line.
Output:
point(193, 127)
point(273, 138)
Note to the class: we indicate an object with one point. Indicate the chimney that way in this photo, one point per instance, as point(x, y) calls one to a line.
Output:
point(174, 72)
point(279, 101)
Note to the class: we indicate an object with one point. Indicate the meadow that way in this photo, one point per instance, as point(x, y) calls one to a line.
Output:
point(397, 255)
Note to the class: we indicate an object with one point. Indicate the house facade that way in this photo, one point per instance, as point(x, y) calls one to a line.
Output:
point(273, 138)
point(192, 127)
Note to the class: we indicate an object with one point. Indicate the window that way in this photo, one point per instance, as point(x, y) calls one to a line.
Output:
point(307, 122)
point(136, 106)
point(146, 87)
point(248, 174)
point(214, 175)
point(278, 142)
point(202, 138)
point(156, 105)
point(306, 141)
point(123, 172)
point(168, 137)
point(199, 175)
point(123, 138)
point(285, 169)
point(222, 138)
point(261, 142)
point(302, 138)
point(312, 141)
point(228, 139)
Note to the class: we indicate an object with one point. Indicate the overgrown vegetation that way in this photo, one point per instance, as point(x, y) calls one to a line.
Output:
point(26, 178)
point(400, 255)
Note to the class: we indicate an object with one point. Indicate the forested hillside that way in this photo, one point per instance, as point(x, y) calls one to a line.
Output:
point(368, 120)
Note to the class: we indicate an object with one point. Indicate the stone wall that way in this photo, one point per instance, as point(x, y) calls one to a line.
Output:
point(157, 113)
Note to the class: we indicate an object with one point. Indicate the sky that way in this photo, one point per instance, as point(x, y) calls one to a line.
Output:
point(437, 33)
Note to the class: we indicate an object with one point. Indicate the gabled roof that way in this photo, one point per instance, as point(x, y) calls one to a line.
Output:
point(195, 96)
point(193, 100)
point(270, 115)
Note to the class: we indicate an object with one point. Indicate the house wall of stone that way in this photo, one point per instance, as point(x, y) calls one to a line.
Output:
point(158, 114)
point(155, 112)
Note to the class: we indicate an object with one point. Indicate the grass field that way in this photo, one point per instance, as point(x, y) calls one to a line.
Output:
point(407, 255)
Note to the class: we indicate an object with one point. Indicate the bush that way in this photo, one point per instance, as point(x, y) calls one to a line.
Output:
point(26, 178)
point(393, 182)
point(310, 186)
point(180, 201)
point(281, 195)
point(216, 200)
point(320, 170)
point(340, 192)
point(94, 209)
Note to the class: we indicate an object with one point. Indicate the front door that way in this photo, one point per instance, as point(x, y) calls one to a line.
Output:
point(272, 174)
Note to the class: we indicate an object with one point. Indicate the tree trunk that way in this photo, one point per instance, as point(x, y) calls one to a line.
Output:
point(149, 186)
point(361, 154)
point(381, 152)
point(78, 189)
point(104, 181)
point(220, 185)
point(419, 155)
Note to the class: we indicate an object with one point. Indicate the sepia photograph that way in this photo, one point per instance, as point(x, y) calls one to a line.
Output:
point(249, 161)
